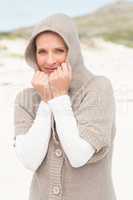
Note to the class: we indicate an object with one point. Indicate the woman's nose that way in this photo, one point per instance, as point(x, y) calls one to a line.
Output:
point(50, 59)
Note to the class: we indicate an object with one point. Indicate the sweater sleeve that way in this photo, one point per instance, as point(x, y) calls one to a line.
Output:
point(31, 148)
point(96, 117)
point(77, 149)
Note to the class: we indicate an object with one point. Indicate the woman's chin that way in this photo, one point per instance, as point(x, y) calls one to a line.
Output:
point(47, 71)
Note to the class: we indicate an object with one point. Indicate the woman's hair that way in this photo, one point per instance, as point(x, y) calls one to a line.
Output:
point(48, 31)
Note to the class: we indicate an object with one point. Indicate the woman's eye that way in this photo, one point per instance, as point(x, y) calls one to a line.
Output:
point(55, 51)
point(60, 51)
point(41, 52)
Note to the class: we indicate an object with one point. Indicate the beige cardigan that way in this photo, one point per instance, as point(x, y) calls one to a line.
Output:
point(94, 109)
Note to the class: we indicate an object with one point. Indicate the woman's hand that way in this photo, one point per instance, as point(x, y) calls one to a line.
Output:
point(60, 79)
point(40, 83)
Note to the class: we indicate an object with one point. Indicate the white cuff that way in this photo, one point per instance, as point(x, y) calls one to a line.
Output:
point(43, 109)
point(60, 103)
point(31, 148)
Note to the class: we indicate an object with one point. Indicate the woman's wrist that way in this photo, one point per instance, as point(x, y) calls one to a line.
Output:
point(59, 94)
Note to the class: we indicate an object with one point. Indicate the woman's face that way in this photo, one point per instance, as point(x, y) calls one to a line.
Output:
point(51, 51)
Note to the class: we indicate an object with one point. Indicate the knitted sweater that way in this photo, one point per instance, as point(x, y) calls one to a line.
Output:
point(31, 148)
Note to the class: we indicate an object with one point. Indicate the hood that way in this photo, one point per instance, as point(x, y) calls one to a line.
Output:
point(65, 27)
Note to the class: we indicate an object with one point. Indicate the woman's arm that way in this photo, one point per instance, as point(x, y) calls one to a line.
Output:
point(31, 147)
point(77, 149)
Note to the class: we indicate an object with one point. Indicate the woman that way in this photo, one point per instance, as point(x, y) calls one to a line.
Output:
point(65, 124)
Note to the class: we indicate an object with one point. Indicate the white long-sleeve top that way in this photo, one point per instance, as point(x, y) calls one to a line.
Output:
point(31, 148)
point(76, 148)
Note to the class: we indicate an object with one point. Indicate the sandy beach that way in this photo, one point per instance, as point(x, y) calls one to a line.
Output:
point(103, 58)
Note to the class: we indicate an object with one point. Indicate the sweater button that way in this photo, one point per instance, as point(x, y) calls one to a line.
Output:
point(56, 190)
point(58, 152)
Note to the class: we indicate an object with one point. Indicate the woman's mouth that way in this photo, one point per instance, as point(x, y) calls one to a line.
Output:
point(50, 69)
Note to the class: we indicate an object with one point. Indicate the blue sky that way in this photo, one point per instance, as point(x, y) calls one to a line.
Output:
point(15, 13)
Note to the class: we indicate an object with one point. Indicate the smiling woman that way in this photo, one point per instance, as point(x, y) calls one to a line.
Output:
point(65, 124)
point(51, 51)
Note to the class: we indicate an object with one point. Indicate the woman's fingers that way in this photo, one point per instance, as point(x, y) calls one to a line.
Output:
point(60, 72)
point(40, 78)
point(67, 69)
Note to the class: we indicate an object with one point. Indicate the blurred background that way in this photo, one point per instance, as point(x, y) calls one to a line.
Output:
point(106, 33)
